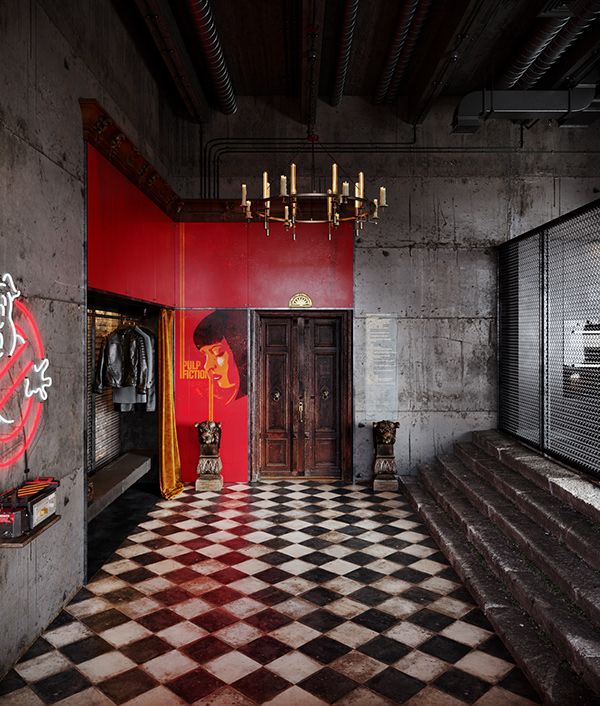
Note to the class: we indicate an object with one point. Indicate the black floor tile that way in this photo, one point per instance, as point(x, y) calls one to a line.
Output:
point(444, 648)
point(328, 685)
point(322, 620)
point(430, 619)
point(462, 685)
point(194, 685)
point(11, 682)
point(385, 649)
point(375, 620)
point(265, 649)
point(324, 649)
point(261, 685)
point(516, 682)
point(127, 685)
point(395, 685)
point(59, 686)
point(88, 648)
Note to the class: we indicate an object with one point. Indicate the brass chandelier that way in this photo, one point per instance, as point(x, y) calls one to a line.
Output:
point(332, 207)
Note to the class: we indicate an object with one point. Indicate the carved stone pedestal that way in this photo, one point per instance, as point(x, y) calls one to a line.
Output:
point(209, 474)
point(384, 469)
point(384, 472)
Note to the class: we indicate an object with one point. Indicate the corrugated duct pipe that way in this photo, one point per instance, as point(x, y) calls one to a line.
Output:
point(404, 23)
point(545, 33)
point(571, 32)
point(348, 27)
point(409, 48)
point(210, 43)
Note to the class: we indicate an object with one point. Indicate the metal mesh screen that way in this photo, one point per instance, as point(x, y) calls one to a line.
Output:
point(104, 422)
point(572, 426)
point(519, 338)
point(549, 338)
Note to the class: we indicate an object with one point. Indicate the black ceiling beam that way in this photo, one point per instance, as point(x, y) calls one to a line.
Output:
point(166, 36)
point(345, 50)
point(444, 35)
point(312, 18)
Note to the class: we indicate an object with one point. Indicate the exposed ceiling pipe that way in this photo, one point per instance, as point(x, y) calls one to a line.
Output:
point(165, 33)
point(404, 23)
point(409, 48)
point(574, 28)
point(348, 27)
point(546, 32)
point(520, 105)
point(212, 51)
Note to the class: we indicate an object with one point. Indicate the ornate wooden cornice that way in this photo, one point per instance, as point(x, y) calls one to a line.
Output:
point(101, 131)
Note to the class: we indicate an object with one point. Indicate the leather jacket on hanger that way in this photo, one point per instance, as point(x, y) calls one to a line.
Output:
point(122, 361)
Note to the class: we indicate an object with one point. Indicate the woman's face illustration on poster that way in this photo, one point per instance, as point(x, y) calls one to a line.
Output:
point(219, 364)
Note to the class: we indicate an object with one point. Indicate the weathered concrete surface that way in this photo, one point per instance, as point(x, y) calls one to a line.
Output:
point(51, 54)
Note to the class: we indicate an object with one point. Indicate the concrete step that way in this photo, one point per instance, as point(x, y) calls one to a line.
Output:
point(570, 631)
point(549, 674)
point(574, 577)
point(575, 489)
point(572, 528)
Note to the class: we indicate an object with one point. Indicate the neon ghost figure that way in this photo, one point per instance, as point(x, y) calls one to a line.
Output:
point(34, 379)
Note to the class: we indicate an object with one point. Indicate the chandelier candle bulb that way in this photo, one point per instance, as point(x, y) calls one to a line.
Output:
point(248, 209)
point(361, 184)
point(265, 184)
point(334, 178)
point(244, 194)
point(376, 211)
point(283, 185)
point(329, 207)
point(345, 188)
point(382, 197)
point(292, 179)
point(286, 214)
point(356, 195)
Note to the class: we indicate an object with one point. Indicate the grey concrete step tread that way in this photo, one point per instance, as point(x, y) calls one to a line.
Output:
point(115, 478)
point(571, 632)
point(577, 531)
point(536, 656)
point(573, 576)
point(580, 492)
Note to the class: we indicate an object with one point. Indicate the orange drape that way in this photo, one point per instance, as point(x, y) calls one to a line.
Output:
point(170, 465)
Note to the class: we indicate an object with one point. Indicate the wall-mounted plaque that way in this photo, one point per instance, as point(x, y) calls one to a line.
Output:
point(300, 301)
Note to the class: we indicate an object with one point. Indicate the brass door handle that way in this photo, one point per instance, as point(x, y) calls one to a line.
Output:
point(301, 411)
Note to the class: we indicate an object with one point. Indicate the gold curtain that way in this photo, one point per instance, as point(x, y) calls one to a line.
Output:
point(170, 464)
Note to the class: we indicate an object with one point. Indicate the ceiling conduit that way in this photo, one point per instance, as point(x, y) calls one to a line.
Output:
point(574, 28)
point(520, 105)
point(546, 32)
point(212, 51)
point(409, 48)
point(348, 27)
point(402, 28)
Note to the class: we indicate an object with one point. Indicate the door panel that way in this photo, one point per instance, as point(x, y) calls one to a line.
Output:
point(303, 411)
point(276, 435)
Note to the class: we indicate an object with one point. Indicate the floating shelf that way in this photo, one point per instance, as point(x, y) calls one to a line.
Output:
point(114, 479)
point(23, 541)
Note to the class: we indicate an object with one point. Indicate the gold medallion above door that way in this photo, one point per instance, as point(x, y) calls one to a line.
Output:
point(302, 408)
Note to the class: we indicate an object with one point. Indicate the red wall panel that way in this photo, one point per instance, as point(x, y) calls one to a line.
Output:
point(131, 242)
point(238, 265)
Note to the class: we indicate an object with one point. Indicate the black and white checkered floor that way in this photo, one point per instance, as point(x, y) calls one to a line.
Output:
point(288, 593)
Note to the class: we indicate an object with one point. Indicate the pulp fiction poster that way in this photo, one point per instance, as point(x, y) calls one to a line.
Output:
point(212, 384)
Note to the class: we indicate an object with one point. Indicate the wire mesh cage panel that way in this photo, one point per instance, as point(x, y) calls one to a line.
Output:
point(549, 337)
point(572, 409)
point(519, 338)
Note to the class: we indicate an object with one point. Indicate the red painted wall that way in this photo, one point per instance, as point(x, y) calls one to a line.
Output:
point(237, 265)
point(232, 265)
point(131, 242)
point(134, 249)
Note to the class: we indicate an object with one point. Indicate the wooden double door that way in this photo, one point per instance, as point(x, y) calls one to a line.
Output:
point(303, 404)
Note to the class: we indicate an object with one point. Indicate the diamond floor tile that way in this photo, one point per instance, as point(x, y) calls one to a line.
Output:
point(287, 592)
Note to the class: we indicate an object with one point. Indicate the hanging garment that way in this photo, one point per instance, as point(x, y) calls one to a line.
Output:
point(126, 363)
point(126, 399)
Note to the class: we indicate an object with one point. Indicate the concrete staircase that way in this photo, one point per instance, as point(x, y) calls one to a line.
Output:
point(523, 533)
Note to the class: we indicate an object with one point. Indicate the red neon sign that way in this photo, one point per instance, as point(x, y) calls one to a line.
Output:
point(23, 375)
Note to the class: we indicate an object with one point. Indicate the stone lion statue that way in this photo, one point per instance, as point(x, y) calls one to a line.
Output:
point(384, 432)
point(209, 436)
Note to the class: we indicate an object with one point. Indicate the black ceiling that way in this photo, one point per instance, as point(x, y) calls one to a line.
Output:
point(399, 52)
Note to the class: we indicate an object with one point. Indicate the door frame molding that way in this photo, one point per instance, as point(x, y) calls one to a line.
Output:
point(347, 421)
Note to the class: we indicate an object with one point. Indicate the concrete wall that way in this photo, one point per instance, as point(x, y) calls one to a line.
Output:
point(52, 52)
point(427, 270)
